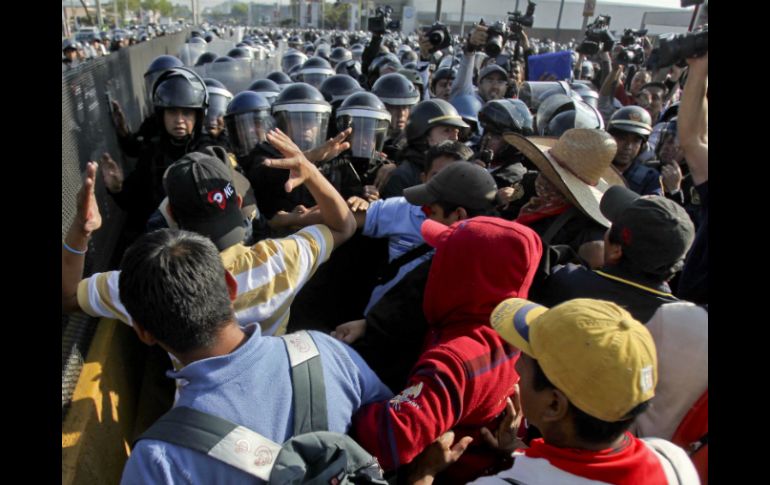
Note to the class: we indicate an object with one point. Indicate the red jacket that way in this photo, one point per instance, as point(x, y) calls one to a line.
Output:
point(466, 370)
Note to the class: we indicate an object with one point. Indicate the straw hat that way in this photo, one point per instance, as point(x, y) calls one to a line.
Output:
point(579, 164)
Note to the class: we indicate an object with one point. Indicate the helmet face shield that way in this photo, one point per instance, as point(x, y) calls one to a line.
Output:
point(217, 108)
point(306, 128)
point(315, 79)
point(290, 61)
point(370, 129)
point(247, 130)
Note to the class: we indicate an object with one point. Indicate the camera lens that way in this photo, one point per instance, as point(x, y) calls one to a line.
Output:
point(494, 45)
point(436, 37)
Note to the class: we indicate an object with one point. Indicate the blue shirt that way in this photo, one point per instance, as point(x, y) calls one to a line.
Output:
point(252, 387)
point(400, 222)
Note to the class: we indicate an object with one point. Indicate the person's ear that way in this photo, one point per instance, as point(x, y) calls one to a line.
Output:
point(239, 200)
point(557, 407)
point(462, 214)
point(146, 337)
point(232, 285)
point(612, 253)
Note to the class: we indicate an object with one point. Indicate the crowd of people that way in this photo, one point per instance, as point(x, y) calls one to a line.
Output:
point(492, 279)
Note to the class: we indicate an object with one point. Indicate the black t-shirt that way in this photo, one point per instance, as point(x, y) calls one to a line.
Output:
point(694, 281)
point(641, 300)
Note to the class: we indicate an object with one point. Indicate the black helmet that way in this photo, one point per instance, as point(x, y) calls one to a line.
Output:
point(267, 88)
point(323, 50)
point(582, 115)
point(248, 120)
point(340, 54)
point(414, 77)
point(68, 44)
point(550, 107)
point(396, 90)
point(408, 56)
point(181, 87)
point(308, 48)
point(356, 50)
point(381, 61)
point(219, 97)
point(441, 73)
point(240, 53)
point(292, 58)
point(631, 119)
point(294, 73)
point(352, 68)
point(502, 115)
point(338, 87)
point(161, 63)
point(302, 113)
point(205, 58)
point(369, 118)
point(280, 78)
point(430, 113)
point(587, 93)
point(208, 37)
point(315, 70)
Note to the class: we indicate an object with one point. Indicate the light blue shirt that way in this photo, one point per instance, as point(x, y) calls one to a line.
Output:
point(400, 222)
point(252, 387)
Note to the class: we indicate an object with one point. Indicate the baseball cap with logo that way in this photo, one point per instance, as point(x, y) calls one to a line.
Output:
point(202, 197)
point(463, 183)
point(656, 232)
point(593, 351)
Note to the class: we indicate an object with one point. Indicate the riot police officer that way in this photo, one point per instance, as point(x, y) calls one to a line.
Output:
point(631, 127)
point(399, 96)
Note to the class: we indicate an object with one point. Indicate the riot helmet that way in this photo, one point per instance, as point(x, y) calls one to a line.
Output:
point(205, 58)
point(280, 78)
point(248, 120)
point(356, 51)
point(381, 63)
point(587, 93)
point(219, 97)
point(294, 73)
point(414, 77)
point(631, 119)
point(503, 115)
point(314, 71)
point(429, 114)
point(235, 74)
point(323, 51)
point(442, 73)
point(308, 48)
point(408, 56)
point(154, 70)
point(366, 114)
point(582, 115)
point(240, 53)
point(338, 87)
point(267, 88)
point(399, 96)
point(352, 68)
point(192, 50)
point(550, 107)
point(302, 113)
point(180, 87)
point(292, 58)
point(339, 54)
point(468, 106)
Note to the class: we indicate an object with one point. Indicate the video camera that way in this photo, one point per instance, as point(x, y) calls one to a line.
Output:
point(675, 48)
point(381, 22)
point(633, 51)
point(598, 36)
point(439, 36)
point(500, 32)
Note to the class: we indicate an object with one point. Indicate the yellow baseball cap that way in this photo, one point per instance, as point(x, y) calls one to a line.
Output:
point(594, 351)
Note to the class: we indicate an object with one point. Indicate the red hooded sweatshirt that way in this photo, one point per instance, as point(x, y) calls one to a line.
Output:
point(466, 371)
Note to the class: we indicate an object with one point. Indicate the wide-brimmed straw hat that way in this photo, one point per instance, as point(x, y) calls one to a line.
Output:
point(579, 164)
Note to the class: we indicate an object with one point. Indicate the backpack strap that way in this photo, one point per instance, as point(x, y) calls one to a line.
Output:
point(390, 270)
point(556, 225)
point(307, 379)
point(218, 438)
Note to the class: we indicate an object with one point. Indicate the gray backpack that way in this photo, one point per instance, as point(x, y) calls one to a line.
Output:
point(312, 456)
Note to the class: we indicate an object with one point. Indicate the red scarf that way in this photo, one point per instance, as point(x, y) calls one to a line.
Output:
point(629, 464)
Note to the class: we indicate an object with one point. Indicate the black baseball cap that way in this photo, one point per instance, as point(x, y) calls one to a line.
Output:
point(656, 232)
point(203, 198)
point(463, 183)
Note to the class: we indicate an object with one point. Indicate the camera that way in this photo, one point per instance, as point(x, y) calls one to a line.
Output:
point(500, 32)
point(675, 48)
point(631, 55)
point(439, 36)
point(631, 36)
point(381, 22)
point(598, 37)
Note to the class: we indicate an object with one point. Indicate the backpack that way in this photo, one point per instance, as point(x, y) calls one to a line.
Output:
point(692, 435)
point(313, 455)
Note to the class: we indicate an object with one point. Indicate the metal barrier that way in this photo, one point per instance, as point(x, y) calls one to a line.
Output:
point(87, 133)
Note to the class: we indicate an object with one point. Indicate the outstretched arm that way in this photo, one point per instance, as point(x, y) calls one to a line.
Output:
point(693, 119)
point(87, 220)
point(334, 211)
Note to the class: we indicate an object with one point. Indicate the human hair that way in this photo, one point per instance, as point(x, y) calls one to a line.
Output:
point(172, 283)
point(615, 236)
point(587, 427)
point(451, 148)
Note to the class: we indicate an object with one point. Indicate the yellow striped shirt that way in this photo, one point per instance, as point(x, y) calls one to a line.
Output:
point(269, 275)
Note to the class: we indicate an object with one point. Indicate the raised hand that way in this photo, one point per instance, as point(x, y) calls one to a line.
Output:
point(506, 439)
point(88, 218)
point(112, 174)
point(331, 149)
